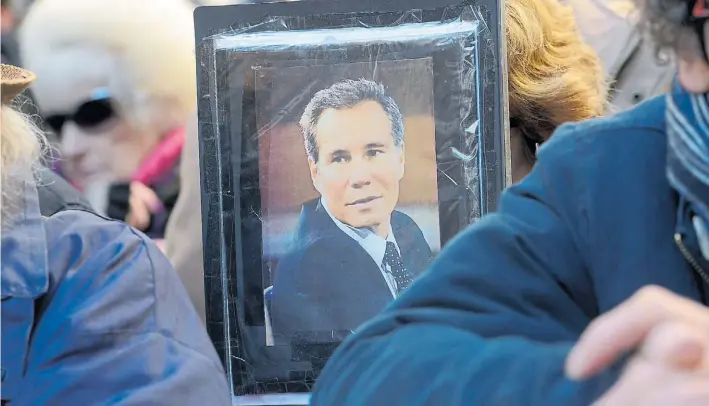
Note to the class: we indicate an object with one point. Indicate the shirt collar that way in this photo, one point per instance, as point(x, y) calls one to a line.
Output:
point(373, 244)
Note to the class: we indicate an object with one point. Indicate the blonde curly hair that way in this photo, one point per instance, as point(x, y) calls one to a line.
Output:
point(554, 76)
point(22, 144)
point(20, 140)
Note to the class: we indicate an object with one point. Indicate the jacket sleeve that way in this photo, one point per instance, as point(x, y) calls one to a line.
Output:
point(117, 327)
point(492, 320)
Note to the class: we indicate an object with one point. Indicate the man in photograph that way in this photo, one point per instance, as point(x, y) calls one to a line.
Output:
point(352, 253)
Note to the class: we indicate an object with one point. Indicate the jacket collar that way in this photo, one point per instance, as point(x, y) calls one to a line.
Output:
point(684, 230)
point(24, 269)
point(683, 227)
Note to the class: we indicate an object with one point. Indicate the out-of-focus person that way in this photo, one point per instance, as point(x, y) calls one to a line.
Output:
point(554, 77)
point(566, 83)
point(19, 8)
point(183, 236)
point(10, 53)
point(55, 193)
point(629, 57)
point(116, 84)
point(92, 311)
point(589, 285)
point(8, 45)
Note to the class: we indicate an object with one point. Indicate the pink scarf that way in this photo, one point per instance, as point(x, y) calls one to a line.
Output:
point(162, 159)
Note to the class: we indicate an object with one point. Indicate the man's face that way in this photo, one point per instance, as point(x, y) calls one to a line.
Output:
point(359, 167)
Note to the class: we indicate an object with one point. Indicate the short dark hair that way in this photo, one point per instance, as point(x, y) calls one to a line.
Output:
point(344, 95)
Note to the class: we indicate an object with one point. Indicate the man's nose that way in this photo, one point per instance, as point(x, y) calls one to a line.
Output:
point(361, 174)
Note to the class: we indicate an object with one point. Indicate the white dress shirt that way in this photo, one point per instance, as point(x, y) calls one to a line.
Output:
point(373, 244)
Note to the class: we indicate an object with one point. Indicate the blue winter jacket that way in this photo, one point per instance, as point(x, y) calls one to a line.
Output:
point(107, 322)
point(492, 320)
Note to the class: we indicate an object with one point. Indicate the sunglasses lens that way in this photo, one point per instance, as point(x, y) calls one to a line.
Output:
point(56, 123)
point(94, 113)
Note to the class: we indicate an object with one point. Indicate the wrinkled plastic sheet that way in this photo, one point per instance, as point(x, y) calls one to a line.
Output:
point(440, 66)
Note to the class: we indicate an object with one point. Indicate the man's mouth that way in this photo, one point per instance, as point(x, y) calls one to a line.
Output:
point(364, 200)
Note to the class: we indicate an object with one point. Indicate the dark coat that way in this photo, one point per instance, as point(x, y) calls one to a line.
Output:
point(56, 194)
point(328, 282)
point(492, 321)
point(106, 322)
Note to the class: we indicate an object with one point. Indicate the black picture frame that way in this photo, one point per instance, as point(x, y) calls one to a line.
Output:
point(230, 170)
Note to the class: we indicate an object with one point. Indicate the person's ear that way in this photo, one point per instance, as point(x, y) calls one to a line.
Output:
point(313, 166)
point(402, 161)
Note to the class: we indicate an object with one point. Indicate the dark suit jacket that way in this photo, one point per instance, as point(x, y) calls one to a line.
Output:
point(328, 284)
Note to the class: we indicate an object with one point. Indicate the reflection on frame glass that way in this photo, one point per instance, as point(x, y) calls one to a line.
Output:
point(336, 161)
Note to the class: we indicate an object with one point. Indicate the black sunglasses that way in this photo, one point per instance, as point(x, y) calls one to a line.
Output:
point(88, 115)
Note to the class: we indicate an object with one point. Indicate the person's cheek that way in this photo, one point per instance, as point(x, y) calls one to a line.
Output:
point(388, 174)
point(340, 185)
point(333, 188)
point(694, 75)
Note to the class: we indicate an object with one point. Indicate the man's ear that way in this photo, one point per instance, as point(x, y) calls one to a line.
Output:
point(402, 161)
point(313, 166)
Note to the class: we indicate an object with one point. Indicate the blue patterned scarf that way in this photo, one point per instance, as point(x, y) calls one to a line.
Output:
point(688, 154)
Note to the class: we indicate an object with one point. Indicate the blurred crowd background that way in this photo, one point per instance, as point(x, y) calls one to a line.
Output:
point(115, 92)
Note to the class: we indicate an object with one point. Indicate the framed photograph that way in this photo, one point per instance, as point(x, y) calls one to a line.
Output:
point(341, 146)
point(348, 181)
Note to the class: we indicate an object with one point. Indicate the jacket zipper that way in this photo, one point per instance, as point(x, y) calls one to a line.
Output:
point(690, 258)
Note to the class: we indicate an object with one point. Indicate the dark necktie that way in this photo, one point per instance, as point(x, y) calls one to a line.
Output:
point(396, 266)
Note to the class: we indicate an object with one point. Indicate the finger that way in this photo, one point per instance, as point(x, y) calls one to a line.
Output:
point(645, 382)
point(695, 391)
point(677, 345)
point(626, 326)
point(139, 215)
point(627, 391)
point(147, 195)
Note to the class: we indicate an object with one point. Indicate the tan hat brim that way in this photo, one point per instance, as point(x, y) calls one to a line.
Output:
point(13, 80)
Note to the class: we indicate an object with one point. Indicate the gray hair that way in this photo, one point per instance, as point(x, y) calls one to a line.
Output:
point(344, 95)
point(665, 21)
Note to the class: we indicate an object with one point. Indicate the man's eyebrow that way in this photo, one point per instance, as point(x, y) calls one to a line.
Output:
point(374, 145)
point(339, 152)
